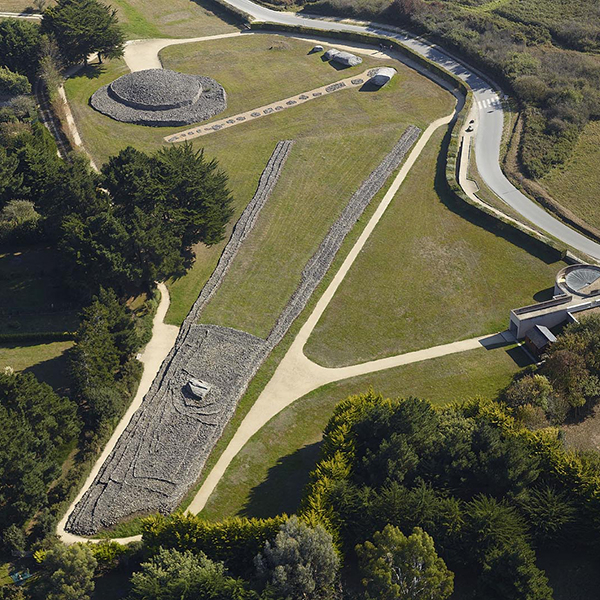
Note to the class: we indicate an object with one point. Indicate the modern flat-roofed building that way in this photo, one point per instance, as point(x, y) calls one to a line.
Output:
point(576, 293)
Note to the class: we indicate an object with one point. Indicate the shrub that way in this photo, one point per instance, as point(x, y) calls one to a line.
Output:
point(13, 84)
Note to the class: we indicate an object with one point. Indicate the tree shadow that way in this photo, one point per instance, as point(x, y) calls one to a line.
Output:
point(483, 220)
point(54, 372)
point(216, 10)
point(91, 71)
point(282, 490)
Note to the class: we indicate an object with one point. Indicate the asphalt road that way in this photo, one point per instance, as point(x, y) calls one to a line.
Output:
point(489, 121)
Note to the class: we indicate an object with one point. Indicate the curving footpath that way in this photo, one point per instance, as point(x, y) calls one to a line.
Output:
point(489, 108)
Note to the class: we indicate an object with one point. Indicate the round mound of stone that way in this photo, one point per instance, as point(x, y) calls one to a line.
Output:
point(160, 97)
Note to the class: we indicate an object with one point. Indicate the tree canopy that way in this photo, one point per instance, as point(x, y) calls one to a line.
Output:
point(82, 27)
point(36, 426)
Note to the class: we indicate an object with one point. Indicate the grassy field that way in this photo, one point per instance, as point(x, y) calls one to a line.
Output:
point(333, 135)
point(576, 184)
point(268, 475)
point(427, 276)
point(176, 18)
point(16, 5)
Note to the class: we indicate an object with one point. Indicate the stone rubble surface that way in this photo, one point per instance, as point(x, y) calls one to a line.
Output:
point(164, 448)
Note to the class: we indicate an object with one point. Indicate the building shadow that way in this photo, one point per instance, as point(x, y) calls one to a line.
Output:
point(283, 488)
point(544, 295)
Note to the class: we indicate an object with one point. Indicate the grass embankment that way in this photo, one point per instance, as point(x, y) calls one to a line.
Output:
point(32, 301)
point(427, 276)
point(268, 475)
point(575, 185)
point(176, 18)
point(340, 139)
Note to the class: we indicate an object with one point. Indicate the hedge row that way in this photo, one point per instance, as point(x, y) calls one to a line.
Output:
point(235, 541)
point(45, 336)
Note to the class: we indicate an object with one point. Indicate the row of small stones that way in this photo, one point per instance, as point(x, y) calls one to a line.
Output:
point(267, 111)
point(90, 513)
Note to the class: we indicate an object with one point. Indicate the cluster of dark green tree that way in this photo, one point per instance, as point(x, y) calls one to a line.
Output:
point(70, 31)
point(541, 50)
point(488, 491)
point(125, 228)
point(567, 383)
point(272, 559)
point(38, 429)
point(41, 429)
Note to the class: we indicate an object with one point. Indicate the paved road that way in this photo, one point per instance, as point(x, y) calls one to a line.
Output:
point(21, 15)
point(490, 119)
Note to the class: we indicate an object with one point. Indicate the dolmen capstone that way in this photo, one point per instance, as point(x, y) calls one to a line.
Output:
point(160, 97)
point(382, 76)
point(343, 58)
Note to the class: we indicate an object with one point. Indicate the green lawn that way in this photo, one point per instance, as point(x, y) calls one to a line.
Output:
point(427, 276)
point(576, 184)
point(268, 475)
point(334, 135)
point(15, 5)
point(176, 18)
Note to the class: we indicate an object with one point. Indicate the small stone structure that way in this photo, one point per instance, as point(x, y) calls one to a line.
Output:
point(160, 97)
point(382, 76)
point(343, 58)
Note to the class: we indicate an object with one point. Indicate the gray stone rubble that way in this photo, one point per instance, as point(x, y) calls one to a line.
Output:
point(165, 445)
point(164, 448)
point(160, 97)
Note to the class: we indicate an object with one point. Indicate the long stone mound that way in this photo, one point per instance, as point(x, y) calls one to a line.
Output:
point(165, 446)
point(169, 438)
point(160, 97)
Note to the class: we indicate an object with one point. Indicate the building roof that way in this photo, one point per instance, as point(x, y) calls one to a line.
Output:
point(540, 336)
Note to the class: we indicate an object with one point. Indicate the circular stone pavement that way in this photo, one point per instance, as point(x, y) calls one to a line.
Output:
point(160, 97)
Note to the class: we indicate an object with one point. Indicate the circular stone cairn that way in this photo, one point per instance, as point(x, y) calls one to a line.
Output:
point(160, 97)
